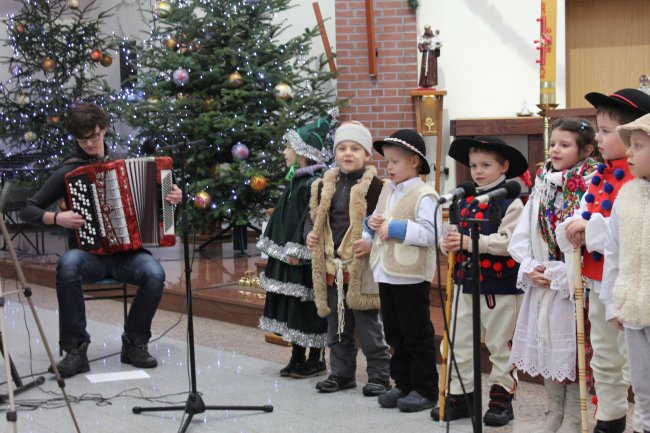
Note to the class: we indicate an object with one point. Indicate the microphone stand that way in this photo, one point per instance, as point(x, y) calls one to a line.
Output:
point(475, 278)
point(194, 403)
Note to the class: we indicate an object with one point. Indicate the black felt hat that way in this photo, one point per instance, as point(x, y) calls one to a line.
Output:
point(459, 150)
point(409, 140)
point(628, 99)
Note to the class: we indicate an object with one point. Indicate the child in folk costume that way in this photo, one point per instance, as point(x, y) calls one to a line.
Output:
point(588, 227)
point(289, 309)
point(403, 259)
point(491, 162)
point(544, 342)
point(626, 278)
point(344, 290)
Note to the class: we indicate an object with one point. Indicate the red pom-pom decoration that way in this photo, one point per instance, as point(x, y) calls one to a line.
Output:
point(510, 263)
point(485, 264)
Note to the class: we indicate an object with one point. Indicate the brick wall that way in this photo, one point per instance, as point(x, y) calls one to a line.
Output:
point(383, 103)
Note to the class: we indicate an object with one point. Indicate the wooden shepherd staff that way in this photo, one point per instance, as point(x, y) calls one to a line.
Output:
point(580, 334)
point(445, 339)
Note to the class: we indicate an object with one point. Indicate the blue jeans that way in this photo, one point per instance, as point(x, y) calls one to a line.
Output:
point(77, 267)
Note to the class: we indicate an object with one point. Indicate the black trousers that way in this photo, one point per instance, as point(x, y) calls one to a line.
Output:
point(408, 329)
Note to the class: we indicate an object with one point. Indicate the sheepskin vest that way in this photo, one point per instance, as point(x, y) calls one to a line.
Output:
point(362, 291)
point(632, 287)
point(395, 257)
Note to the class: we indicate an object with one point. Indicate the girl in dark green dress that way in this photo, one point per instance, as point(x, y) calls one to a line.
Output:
point(289, 309)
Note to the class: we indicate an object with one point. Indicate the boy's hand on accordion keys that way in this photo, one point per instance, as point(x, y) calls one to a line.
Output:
point(70, 220)
point(175, 195)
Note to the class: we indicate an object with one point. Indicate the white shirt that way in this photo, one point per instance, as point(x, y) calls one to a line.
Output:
point(421, 232)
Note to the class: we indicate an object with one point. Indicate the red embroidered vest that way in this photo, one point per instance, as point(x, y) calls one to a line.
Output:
point(600, 197)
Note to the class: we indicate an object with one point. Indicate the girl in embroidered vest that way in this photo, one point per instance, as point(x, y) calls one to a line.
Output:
point(403, 262)
point(289, 308)
point(626, 280)
point(545, 336)
point(588, 227)
point(491, 162)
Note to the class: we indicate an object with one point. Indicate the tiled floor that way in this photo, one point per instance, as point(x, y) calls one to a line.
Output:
point(234, 367)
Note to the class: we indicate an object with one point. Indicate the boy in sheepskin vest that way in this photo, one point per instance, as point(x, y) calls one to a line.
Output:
point(344, 290)
point(626, 277)
point(403, 260)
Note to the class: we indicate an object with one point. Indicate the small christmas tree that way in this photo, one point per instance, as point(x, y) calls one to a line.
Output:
point(56, 46)
point(215, 70)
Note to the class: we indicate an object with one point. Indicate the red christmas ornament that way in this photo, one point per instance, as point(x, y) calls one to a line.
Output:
point(96, 55)
point(258, 182)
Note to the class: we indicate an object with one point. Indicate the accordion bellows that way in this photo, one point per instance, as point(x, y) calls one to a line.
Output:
point(123, 203)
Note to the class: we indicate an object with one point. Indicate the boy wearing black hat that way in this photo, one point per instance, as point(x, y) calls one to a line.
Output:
point(403, 259)
point(589, 227)
point(491, 162)
point(626, 280)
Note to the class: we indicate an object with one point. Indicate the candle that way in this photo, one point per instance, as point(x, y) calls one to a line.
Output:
point(548, 33)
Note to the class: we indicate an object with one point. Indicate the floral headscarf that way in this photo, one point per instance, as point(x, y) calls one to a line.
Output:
point(573, 185)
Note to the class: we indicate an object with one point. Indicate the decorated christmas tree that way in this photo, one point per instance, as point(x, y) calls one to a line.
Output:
point(56, 47)
point(216, 70)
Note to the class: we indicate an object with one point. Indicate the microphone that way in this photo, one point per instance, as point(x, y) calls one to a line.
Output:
point(185, 144)
point(512, 189)
point(465, 189)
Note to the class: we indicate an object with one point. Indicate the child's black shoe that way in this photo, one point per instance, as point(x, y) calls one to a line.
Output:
point(499, 411)
point(310, 368)
point(455, 407)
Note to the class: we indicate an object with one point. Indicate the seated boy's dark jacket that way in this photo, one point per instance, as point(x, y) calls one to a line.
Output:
point(498, 273)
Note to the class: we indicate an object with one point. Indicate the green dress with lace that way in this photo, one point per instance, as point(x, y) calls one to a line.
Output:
point(289, 309)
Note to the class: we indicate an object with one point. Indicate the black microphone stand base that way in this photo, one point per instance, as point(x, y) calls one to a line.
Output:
point(195, 405)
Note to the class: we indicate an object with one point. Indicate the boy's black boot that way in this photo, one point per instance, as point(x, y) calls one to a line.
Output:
point(500, 407)
point(314, 366)
point(75, 361)
point(297, 358)
point(613, 426)
point(136, 354)
point(455, 407)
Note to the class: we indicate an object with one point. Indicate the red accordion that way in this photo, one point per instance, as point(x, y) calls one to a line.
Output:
point(123, 203)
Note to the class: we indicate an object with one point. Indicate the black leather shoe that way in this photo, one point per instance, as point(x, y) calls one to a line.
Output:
point(136, 354)
point(499, 411)
point(74, 362)
point(310, 368)
point(455, 407)
point(415, 402)
point(336, 383)
point(613, 426)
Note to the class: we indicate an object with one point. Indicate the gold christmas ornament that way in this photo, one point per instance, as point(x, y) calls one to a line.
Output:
point(48, 64)
point(96, 55)
point(249, 279)
point(163, 9)
point(283, 91)
point(30, 136)
point(202, 200)
point(23, 99)
point(171, 43)
point(235, 80)
point(258, 182)
point(107, 60)
point(153, 99)
point(73, 4)
point(208, 104)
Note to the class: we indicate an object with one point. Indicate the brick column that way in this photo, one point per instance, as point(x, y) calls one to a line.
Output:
point(382, 103)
